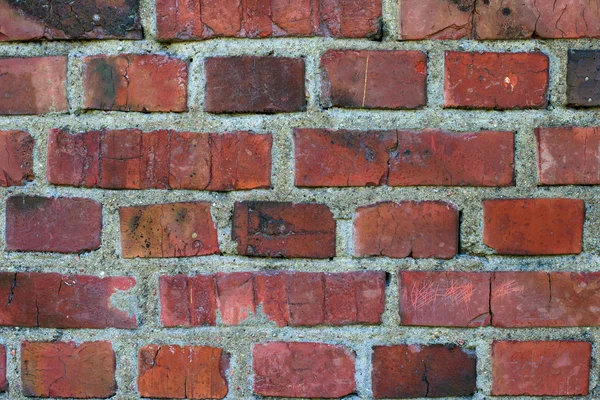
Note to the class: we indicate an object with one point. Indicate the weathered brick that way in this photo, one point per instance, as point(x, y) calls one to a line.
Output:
point(293, 369)
point(168, 230)
point(402, 371)
point(48, 20)
point(35, 85)
point(286, 298)
point(16, 159)
point(522, 19)
point(402, 158)
point(3, 381)
point(568, 155)
point(132, 159)
point(432, 298)
point(274, 229)
point(62, 225)
point(200, 372)
point(65, 369)
point(495, 80)
point(374, 79)
point(534, 226)
point(406, 229)
point(190, 20)
point(48, 300)
point(558, 368)
point(135, 82)
point(583, 80)
point(254, 85)
point(545, 299)
point(436, 19)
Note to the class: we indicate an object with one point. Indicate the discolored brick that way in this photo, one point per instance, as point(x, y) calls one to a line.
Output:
point(406, 229)
point(278, 229)
point(583, 79)
point(403, 371)
point(374, 79)
point(16, 159)
point(168, 230)
point(436, 19)
point(200, 372)
point(254, 85)
point(135, 82)
point(35, 85)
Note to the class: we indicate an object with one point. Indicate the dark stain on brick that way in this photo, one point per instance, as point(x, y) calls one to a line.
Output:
point(27, 203)
point(464, 5)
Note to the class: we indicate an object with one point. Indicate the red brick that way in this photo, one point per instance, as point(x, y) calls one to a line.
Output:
point(105, 19)
point(374, 79)
point(277, 229)
point(3, 381)
point(432, 298)
point(65, 369)
point(48, 300)
point(496, 80)
point(34, 85)
point(534, 226)
point(436, 19)
point(402, 371)
point(545, 299)
point(135, 82)
point(296, 369)
point(16, 160)
point(168, 230)
point(200, 372)
point(521, 19)
point(286, 298)
point(132, 159)
point(189, 20)
point(402, 158)
point(62, 225)
point(406, 229)
point(557, 368)
point(568, 155)
point(254, 85)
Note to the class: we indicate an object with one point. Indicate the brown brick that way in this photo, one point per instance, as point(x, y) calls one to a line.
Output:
point(16, 160)
point(583, 82)
point(34, 85)
point(374, 79)
point(3, 380)
point(436, 19)
point(495, 80)
point(135, 82)
point(168, 230)
point(254, 85)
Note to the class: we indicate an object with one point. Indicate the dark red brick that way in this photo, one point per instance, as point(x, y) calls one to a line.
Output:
point(432, 298)
point(557, 368)
point(496, 80)
point(273, 229)
point(135, 82)
point(406, 229)
point(374, 79)
point(583, 81)
point(403, 371)
point(189, 20)
point(286, 298)
point(16, 160)
point(436, 19)
point(62, 225)
point(296, 369)
point(200, 372)
point(48, 300)
point(168, 230)
point(3, 381)
point(534, 226)
point(254, 85)
point(132, 159)
point(34, 85)
point(49, 20)
point(65, 369)
point(545, 299)
point(568, 155)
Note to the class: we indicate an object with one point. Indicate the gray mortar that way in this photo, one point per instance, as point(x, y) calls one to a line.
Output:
point(238, 341)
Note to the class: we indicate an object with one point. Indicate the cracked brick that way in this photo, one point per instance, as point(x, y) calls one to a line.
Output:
point(16, 158)
point(293, 369)
point(135, 82)
point(407, 229)
point(436, 19)
point(583, 78)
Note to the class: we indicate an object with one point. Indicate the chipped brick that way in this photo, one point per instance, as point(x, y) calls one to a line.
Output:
point(16, 161)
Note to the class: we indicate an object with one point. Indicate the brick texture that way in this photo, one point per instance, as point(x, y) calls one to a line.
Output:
point(3, 380)
point(16, 161)
point(583, 82)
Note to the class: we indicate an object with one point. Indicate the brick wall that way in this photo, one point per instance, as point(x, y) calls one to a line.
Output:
point(320, 198)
